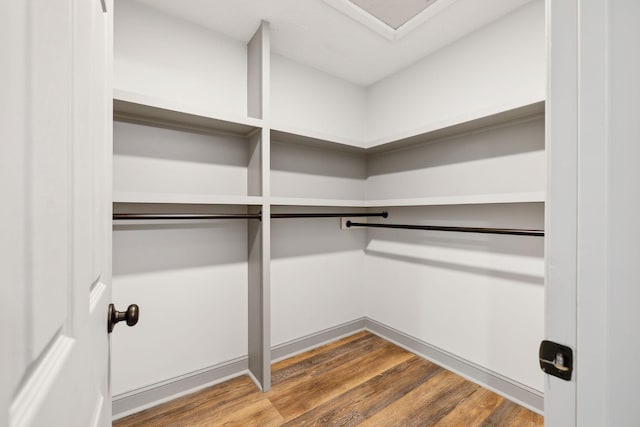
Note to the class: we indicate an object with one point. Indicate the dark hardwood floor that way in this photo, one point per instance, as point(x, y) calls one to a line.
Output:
point(359, 380)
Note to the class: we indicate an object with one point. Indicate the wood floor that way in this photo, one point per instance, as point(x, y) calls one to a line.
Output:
point(359, 380)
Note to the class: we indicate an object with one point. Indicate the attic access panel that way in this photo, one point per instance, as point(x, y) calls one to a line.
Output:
point(393, 13)
point(391, 19)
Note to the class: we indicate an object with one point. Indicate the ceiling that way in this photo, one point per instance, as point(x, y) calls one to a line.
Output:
point(318, 33)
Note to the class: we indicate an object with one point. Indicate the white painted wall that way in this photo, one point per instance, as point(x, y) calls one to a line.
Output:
point(504, 159)
point(498, 67)
point(159, 55)
point(311, 172)
point(314, 102)
point(190, 281)
point(317, 273)
point(149, 159)
point(479, 297)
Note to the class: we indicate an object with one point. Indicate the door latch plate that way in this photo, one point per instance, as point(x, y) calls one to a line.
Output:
point(556, 359)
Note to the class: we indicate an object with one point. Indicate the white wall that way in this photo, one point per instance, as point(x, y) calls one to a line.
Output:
point(317, 272)
point(310, 172)
point(504, 159)
point(498, 67)
point(312, 101)
point(480, 297)
point(149, 159)
point(159, 55)
point(190, 281)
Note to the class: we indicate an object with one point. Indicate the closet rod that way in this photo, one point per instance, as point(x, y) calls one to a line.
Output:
point(510, 231)
point(184, 216)
point(139, 216)
point(329, 215)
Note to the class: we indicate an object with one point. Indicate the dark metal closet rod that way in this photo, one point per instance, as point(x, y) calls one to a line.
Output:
point(135, 216)
point(329, 215)
point(510, 231)
point(184, 216)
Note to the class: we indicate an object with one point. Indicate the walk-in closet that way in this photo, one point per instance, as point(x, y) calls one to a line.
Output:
point(263, 206)
point(319, 212)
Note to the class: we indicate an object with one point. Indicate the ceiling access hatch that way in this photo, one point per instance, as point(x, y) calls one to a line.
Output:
point(393, 13)
point(391, 19)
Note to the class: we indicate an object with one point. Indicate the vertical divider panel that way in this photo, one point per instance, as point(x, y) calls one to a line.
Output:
point(259, 244)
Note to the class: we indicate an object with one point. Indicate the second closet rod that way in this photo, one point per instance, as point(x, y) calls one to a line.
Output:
point(509, 231)
point(140, 216)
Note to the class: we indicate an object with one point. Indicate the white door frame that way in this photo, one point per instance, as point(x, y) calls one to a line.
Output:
point(593, 206)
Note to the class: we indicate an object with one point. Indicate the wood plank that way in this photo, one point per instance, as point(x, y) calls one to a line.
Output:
point(288, 375)
point(257, 413)
point(327, 381)
point(280, 369)
point(368, 398)
point(473, 410)
point(218, 400)
point(426, 404)
point(511, 414)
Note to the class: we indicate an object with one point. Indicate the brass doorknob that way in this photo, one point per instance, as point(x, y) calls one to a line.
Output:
point(114, 316)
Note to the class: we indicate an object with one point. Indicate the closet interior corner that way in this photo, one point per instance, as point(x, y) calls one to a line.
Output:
point(229, 220)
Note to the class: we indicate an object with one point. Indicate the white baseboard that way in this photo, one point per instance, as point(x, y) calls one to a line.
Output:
point(155, 394)
point(138, 400)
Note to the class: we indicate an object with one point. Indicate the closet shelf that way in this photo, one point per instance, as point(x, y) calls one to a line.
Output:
point(181, 198)
point(459, 125)
point(471, 199)
point(317, 139)
point(295, 201)
point(139, 108)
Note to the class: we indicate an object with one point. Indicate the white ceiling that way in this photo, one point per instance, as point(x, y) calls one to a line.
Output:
point(317, 34)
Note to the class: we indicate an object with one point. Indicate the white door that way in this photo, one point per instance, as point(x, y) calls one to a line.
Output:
point(56, 212)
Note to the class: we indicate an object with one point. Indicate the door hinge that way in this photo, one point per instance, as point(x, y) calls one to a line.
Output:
point(556, 359)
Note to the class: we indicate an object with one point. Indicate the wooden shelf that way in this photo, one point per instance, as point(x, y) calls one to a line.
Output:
point(472, 199)
point(459, 125)
point(138, 108)
point(180, 198)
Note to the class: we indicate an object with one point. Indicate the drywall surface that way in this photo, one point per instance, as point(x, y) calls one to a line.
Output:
point(501, 159)
point(163, 56)
point(479, 297)
point(498, 67)
point(311, 101)
point(190, 281)
point(316, 276)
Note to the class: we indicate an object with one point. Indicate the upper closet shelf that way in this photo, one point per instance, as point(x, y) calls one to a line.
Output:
point(182, 198)
point(453, 126)
point(296, 201)
point(465, 123)
point(472, 199)
point(318, 139)
point(138, 108)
